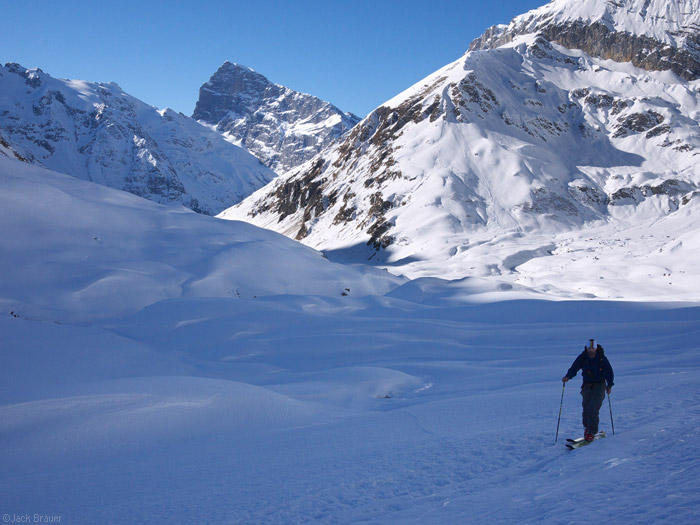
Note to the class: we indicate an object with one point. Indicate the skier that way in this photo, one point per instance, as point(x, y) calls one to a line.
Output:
point(596, 371)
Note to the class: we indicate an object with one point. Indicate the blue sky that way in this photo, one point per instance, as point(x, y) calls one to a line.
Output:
point(355, 54)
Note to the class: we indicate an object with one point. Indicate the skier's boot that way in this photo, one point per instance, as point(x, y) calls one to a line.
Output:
point(588, 436)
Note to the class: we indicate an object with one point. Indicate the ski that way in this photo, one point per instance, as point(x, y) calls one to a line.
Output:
point(575, 440)
point(580, 442)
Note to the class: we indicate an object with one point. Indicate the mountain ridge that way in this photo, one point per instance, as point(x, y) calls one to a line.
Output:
point(651, 34)
point(97, 132)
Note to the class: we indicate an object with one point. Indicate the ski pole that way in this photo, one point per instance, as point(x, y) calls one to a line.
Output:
point(560, 405)
point(611, 417)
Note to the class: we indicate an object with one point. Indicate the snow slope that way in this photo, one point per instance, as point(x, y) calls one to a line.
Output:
point(160, 366)
point(68, 244)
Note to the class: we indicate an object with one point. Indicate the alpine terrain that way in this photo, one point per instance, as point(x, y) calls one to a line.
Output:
point(97, 132)
point(282, 127)
point(564, 142)
point(159, 365)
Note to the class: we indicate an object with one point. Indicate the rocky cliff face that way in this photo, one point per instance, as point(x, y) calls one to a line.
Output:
point(653, 35)
point(99, 133)
point(522, 141)
point(282, 127)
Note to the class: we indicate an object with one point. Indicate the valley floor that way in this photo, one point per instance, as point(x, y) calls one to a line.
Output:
point(349, 410)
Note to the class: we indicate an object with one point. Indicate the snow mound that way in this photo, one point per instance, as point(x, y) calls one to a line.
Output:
point(352, 387)
point(141, 411)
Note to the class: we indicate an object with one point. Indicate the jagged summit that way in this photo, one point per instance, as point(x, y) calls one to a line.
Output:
point(655, 35)
point(235, 65)
point(282, 127)
point(234, 90)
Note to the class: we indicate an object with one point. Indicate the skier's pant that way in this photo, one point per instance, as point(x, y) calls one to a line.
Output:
point(593, 395)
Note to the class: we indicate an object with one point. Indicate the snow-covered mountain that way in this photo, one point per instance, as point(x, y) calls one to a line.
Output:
point(528, 154)
point(99, 133)
point(282, 127)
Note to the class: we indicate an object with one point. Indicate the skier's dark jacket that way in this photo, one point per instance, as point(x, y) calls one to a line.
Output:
point(594, 370)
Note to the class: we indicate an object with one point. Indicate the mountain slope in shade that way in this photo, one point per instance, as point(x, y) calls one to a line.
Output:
point(99, 133)
point(282, 127)
point(509, 156)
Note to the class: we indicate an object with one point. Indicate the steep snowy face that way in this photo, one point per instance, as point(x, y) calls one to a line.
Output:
point(99, 133)
point(493, 160)
point(282, 127)
point(655, 35)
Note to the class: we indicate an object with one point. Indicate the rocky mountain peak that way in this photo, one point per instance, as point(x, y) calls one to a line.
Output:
point(32, 77)
point(234, 89)
point(282, 127)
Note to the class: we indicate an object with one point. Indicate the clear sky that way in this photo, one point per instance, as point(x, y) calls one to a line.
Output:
point(356, 53)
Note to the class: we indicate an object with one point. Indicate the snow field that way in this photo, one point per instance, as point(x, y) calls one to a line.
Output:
point(302, 409)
